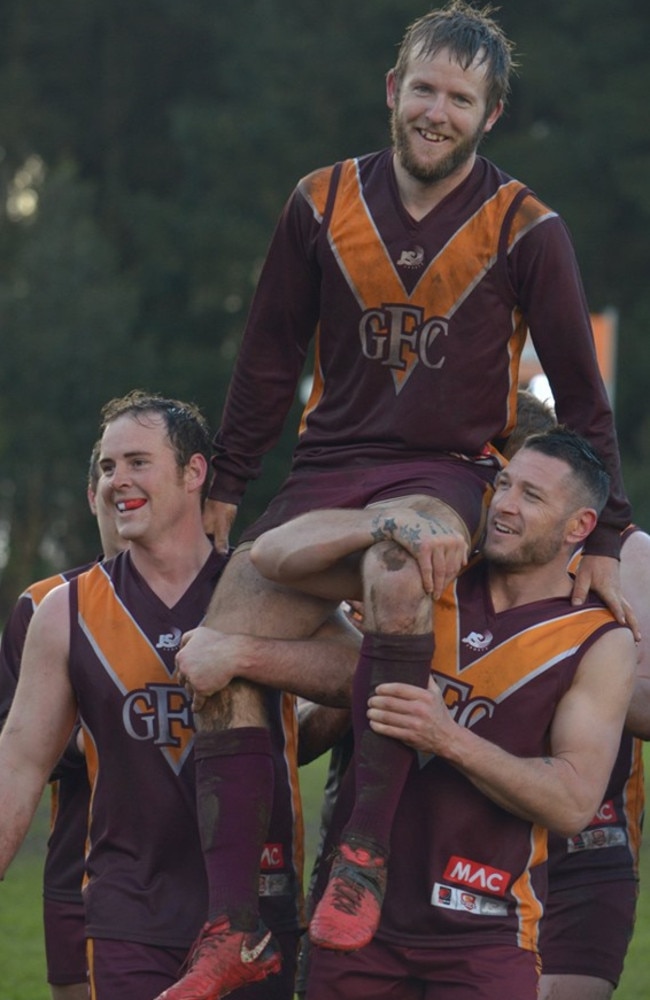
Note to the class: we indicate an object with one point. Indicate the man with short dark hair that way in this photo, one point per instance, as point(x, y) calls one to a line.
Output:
point(593, 875)
point(515, 734)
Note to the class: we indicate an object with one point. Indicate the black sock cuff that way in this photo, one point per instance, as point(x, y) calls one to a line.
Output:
point(387, 646)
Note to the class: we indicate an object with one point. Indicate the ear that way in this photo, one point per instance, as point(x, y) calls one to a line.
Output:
point(493, 117)
point(196, 471)
point(391, 89)
point(580, 525)
point(92, 500)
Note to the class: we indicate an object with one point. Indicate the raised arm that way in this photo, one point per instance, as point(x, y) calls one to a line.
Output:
point(561, 791)
point(319, 552)
point(39, 723)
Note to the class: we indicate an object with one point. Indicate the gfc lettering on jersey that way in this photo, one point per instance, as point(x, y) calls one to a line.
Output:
point(476, 876)
point(159, 712)
point(404, 323)
point(466, 710)
point(400, 337)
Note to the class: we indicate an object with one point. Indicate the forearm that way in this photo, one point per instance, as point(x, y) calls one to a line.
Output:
point(314, 543)
point(325, 540)
point(542, 790)
point(319, 670)
point(21, 787)
point(560, 791)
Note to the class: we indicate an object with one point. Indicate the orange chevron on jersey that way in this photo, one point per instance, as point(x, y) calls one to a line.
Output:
point(37, 591)
point(450, 277)
point(497, 672)
point(112, 630)
point(528, 215)
point(445, 283)
point(315, 188)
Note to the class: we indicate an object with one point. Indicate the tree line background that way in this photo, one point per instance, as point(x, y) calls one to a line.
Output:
point(146, 150)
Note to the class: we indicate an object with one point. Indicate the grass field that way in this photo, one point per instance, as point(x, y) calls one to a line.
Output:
point(22, 967)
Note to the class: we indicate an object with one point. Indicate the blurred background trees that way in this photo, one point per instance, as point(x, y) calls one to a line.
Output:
point(145, 153)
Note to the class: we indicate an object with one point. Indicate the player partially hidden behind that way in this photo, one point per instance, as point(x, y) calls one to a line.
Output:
point(63, 911)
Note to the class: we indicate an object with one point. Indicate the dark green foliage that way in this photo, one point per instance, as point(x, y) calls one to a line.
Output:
point(167, 136)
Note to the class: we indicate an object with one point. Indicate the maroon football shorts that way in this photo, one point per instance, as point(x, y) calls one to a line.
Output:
point(392, 972)
point(65, 942)
point(131, 971)
point(464, 486)
point(586, 930)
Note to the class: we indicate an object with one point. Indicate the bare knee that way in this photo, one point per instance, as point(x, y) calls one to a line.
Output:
point(394, 598)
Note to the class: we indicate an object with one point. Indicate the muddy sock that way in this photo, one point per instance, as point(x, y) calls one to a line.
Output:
point(234, 794)
point(381, 763)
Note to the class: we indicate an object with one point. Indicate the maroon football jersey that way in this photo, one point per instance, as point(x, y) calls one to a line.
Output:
point(145, 876)
point(418, 327)
point(461, 867)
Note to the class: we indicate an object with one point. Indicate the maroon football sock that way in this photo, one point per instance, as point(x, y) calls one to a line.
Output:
point(234, 794)
point(381, 763)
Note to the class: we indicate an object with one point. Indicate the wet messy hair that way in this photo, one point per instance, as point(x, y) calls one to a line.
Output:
point(187, 428)
point(591, 477)
point(533, 417)
point(467, 33)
